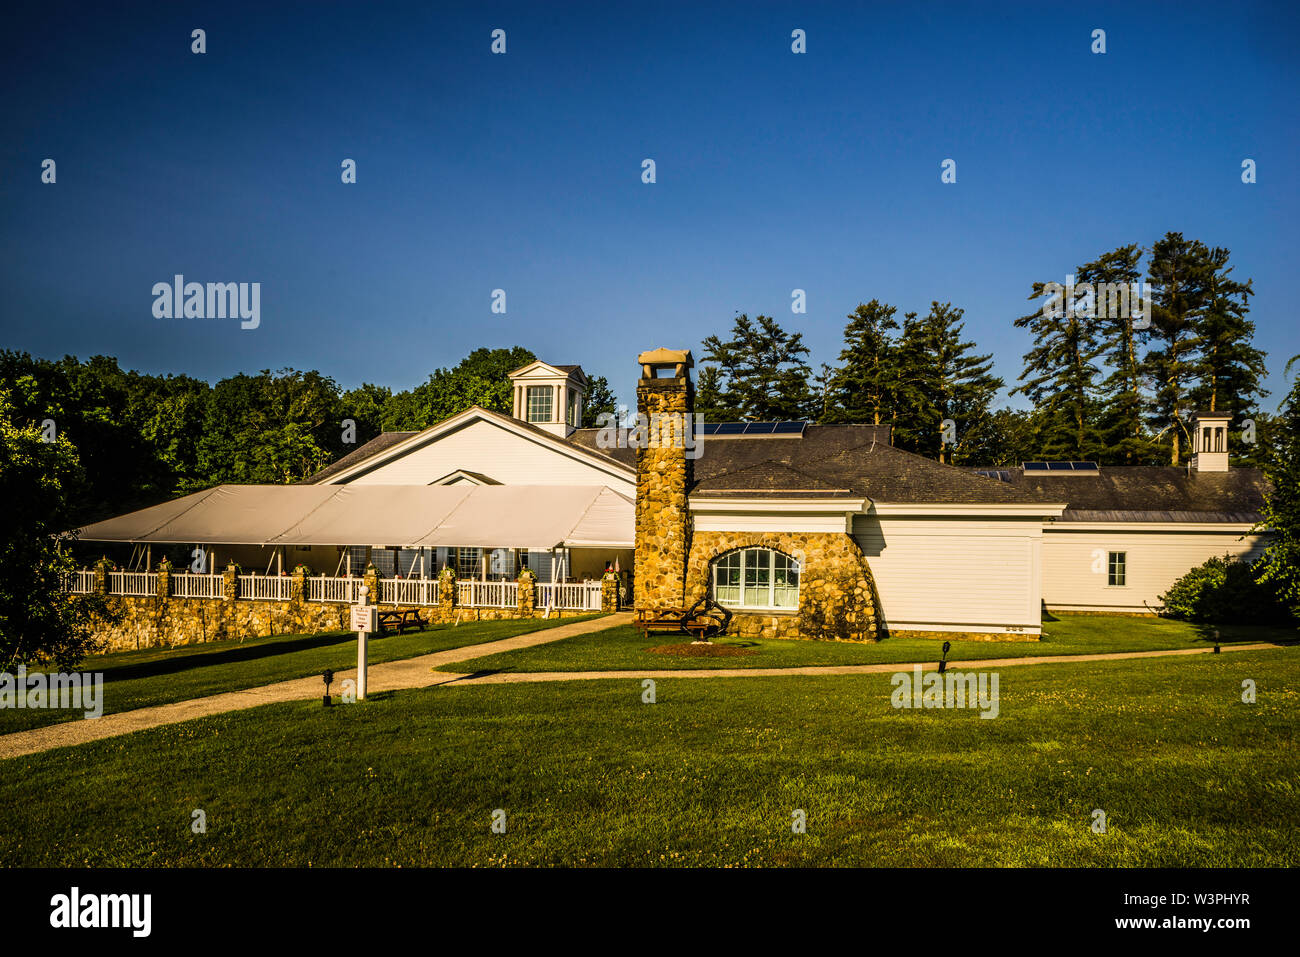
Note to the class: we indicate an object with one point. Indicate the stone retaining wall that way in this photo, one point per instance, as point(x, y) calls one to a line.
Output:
point(158, 622)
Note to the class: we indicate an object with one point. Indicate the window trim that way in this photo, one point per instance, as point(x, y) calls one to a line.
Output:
point(546, 394)
point(1117, 568)
point(715, 564)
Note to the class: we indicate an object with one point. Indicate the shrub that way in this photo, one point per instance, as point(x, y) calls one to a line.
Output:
point(1224, 590)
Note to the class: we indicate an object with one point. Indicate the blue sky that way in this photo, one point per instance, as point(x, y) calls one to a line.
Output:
point(775, 171)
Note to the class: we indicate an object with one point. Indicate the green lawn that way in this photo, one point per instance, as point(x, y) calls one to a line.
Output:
point(711, 774)
point(137, 679)
point(624, 649)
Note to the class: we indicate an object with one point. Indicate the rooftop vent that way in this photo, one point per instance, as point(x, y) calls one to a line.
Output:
point(1061, 468)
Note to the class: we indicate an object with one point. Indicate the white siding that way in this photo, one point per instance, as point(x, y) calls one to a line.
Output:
point(1155, 559)
point(955, 574)
point(491, 450)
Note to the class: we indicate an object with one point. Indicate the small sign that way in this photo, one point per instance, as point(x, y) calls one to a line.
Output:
point(365, 618)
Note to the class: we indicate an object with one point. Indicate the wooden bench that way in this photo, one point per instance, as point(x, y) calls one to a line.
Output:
point(659, 619)
point(399, 620)
point(705, 619)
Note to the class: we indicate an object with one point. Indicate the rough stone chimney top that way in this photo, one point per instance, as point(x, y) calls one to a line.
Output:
point(1210, 441)
point(657, 359)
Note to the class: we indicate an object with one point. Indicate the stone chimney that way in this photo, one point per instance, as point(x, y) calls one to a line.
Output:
point(665, 402)
point(1210, 441)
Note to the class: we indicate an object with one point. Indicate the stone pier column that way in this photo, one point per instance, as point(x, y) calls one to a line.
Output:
point(230, 582)
point(372, 584)
point(609, 592)
point(298, 584)
point(447, 594)
point(102, 568)
point(164, 579)
point(527, 592)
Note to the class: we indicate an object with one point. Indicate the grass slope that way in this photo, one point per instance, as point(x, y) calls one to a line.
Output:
point(137, 679)
point(709, 775)
point(624, 649)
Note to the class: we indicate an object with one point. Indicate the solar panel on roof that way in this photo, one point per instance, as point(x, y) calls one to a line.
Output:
point(1063, 468)
point(756, 429)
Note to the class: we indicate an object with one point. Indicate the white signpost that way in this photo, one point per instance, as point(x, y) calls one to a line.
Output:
point(365, 619)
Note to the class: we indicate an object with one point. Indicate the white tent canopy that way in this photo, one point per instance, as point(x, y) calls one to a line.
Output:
point(406, 516)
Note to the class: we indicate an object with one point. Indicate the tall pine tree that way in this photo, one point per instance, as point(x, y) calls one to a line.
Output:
point(1121, 423)
point(762, 373)
point(940, 377)
point(1061, 373)
point(1231, 368)
point(862, 388)
point(1180, 270)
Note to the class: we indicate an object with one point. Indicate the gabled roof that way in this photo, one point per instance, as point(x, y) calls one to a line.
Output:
point(391, 445)
point(561, 371)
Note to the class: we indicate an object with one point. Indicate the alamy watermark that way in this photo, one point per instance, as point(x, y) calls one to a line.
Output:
point(951, 689)
point(214, 300)
point(78, 690)
point(1102, 300)
point(658, 430)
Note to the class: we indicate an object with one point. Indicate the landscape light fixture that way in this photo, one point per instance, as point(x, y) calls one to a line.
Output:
point(943, 662)
point(328, 676)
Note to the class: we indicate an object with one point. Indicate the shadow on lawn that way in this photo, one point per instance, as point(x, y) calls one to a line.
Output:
point(1228, 634)
point(236, 653)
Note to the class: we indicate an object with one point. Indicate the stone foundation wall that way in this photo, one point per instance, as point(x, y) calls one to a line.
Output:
point(837, 596)
point(965, 635)
point(162, 623)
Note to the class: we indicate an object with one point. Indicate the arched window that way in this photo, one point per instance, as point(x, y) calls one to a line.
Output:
point(756, 578)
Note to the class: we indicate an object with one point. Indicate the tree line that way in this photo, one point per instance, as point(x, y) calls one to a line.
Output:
point(139, 439)
point(1112, 377)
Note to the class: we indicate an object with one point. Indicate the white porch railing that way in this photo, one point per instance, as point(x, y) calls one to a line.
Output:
point(570, 596)
point(408, 591)
point(266, 587)
point(81, 582)
point(325, 588)
point(132, 583)
point(186, 585)
point(480, 594)
point(470, 593)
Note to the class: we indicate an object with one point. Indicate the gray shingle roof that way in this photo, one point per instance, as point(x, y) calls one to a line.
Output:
point(385, 440)
point(1125, 490)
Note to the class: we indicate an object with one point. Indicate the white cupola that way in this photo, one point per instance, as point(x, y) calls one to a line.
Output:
point(549, 397)
point(1210, 441)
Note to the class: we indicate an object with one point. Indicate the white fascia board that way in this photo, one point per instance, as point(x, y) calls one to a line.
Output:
point(1240, 528)
point(1012, 510)
point(802, 506)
